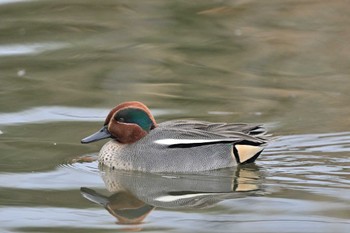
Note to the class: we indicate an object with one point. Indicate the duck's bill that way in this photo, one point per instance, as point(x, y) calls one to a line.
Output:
point(99, 135)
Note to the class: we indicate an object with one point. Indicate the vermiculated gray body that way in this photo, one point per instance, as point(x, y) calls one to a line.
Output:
point(214, 151)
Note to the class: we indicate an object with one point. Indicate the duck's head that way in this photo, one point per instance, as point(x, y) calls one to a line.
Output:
point(126, 123)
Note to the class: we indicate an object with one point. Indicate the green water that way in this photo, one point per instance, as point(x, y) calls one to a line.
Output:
point(64, 64)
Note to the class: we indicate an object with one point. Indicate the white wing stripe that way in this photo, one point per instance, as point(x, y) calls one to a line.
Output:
point(172, 141)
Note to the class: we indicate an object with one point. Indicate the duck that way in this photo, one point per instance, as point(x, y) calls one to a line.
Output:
point(138, 143)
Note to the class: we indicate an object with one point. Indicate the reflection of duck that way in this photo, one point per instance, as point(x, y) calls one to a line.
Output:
point(139, 143)
point(136, 194)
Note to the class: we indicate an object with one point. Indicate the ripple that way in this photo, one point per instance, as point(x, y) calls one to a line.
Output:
point(64, 177)
point(326, 142)
point(47, 114)
point(3, 2)
point(91, 167)
point(317, 164)
point(29, 49)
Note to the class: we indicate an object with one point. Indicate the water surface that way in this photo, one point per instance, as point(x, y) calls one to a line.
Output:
point(64, 64)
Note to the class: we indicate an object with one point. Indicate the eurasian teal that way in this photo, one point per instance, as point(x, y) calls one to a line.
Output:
point(139, 143)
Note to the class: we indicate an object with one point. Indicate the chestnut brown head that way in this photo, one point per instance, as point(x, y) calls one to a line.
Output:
point(126, 123)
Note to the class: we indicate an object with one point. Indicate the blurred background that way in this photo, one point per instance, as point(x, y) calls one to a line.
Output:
point(64, 64)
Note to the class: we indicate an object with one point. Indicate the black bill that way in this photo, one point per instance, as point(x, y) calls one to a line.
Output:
point(101, 134)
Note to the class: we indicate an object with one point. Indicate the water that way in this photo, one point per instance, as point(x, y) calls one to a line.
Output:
point(282, 63)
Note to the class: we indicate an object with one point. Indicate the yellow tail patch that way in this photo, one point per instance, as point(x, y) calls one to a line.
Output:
point(246, 152)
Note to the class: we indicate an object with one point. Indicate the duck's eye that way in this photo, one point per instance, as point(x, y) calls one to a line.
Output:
point(119, 118)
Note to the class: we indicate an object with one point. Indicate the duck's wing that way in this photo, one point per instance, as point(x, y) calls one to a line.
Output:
point(221, 129)
point(248, 140)
point(175, 137)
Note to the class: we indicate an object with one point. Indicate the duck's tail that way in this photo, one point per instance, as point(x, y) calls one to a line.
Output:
point(248, 151)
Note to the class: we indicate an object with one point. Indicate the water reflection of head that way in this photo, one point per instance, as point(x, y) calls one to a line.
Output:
point(122, 205)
